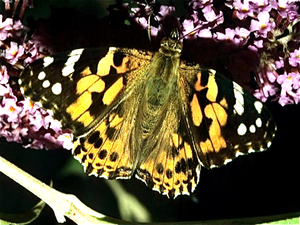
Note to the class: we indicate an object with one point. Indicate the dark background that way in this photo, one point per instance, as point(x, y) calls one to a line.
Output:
point(255, 185)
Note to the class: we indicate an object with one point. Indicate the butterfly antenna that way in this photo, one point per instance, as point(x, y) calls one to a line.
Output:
point(149, 26)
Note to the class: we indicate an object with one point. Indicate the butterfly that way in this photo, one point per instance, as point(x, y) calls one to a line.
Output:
point(148, 114)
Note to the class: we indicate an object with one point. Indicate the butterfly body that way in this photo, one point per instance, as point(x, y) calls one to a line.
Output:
point(148, 114)
point(158, 106)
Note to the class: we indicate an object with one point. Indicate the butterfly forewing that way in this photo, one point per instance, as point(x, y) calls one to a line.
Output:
point(81, 86)
point(91, 101)
point(134, 111)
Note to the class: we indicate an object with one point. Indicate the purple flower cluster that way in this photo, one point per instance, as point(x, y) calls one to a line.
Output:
point(20, 119)
point(257, 26)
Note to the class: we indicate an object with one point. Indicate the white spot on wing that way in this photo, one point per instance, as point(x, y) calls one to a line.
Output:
point(269, 144)
point(212, 71)
point(239, 98)
point(67, 70)
point(227, 161)
point(198, 169)
point(56, 88)
point(47, 61)
point(242, 129)
point(238, 153)
point(76, 52)
point(22, 90)
point(258, 122)
point(258, 106)
point(69, 65)
point(42, 75)
point(74, 56)
point(251, 150)
point(136, 176)
point(112, 48)
point(46, 84)
point(252, 129)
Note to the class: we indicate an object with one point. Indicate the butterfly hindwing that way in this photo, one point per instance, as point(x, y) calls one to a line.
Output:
point(169, 163)
point(105, 151)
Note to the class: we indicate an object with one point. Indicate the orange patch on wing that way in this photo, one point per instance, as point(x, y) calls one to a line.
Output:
point(102, 128)
point(123, 67)
point(224, 103)
point(98, 86)
point(176, 140)
point(86, 71)
point(115, 120)
point(198, 86)
point(86, 118)
point(196, 111)
point(76, 109)
point(212, 91)
point(216, 138)
point(148, 165)
point(206, 146)
point(188, 150)
point(220, 113)
point(113, 91)
point(105, 63)
point(93, 83)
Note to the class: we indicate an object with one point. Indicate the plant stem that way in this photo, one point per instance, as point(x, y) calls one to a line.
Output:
point(62, 204)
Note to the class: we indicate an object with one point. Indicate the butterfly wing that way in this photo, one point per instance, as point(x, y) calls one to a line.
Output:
point(85, 90)
point(224, 120)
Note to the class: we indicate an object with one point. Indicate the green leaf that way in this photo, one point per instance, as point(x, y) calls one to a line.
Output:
point(127, 22)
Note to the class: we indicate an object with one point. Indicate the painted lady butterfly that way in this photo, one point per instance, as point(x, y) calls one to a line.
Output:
point(148, 113)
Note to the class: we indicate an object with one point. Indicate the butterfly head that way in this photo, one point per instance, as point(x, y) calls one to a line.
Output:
point(171, 46)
